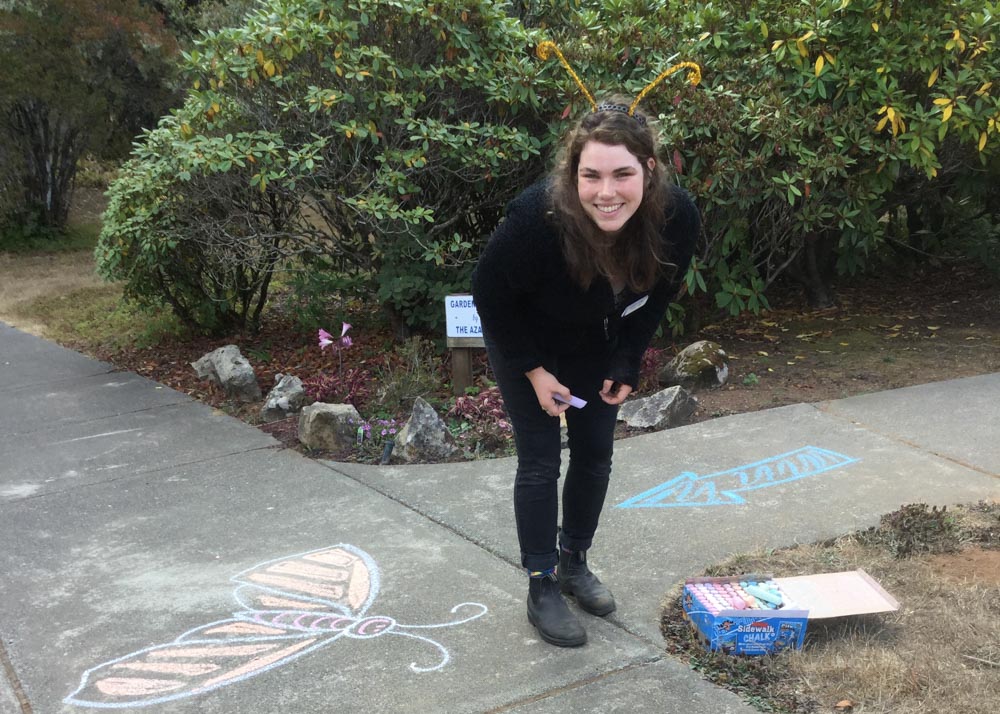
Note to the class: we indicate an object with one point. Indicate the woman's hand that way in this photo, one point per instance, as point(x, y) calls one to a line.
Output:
point(615, 392)
point(545, 385)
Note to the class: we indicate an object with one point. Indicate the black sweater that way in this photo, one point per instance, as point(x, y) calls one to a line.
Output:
point(531, 308)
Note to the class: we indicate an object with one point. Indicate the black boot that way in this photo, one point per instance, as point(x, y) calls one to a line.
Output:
point(576, 579)
point(548, 612)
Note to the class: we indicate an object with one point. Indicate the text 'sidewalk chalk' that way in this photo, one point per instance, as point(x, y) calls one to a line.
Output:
point(726, 487)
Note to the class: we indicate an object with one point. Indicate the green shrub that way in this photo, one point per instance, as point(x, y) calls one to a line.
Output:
point(383, 137)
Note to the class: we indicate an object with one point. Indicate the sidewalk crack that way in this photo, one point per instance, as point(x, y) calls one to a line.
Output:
point(12, 679)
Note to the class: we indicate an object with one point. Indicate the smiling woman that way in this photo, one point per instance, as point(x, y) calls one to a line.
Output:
point(570, 289)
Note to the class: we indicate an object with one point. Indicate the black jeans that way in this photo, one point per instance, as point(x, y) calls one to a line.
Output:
point(536, 436)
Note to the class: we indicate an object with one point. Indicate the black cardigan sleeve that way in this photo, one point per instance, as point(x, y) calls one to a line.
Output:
point(637, 329)
point(508, 273)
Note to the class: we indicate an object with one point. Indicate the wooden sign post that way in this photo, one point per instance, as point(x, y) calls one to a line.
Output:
point(464, 333)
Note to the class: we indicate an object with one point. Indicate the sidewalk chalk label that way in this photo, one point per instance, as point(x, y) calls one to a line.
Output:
point(292, 606)
point(725, 487)
point(461, 317)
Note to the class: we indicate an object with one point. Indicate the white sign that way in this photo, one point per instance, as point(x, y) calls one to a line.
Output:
point(461, 317)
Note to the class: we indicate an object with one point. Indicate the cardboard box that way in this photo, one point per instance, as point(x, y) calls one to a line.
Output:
point(755, 631)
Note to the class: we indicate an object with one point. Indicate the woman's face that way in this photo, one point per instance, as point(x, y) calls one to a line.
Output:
point(609, 181)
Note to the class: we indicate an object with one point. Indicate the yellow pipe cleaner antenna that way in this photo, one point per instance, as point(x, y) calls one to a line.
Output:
point(545, 50)
point(694, 78)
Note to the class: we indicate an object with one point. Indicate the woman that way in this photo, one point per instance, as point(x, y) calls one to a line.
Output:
point(570, 289)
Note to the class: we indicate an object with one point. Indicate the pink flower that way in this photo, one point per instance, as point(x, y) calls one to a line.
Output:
point(326, 339)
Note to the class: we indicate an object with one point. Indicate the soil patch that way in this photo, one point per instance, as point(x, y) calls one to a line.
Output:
point(972, 564)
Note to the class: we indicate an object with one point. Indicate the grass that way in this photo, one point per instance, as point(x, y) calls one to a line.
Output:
point(77, 237)
point(938, 653)
point(48, 286)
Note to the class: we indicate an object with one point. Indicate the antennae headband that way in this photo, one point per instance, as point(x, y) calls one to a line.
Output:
point(547, 48)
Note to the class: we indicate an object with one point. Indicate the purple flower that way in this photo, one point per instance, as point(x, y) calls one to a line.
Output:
point(325, 339)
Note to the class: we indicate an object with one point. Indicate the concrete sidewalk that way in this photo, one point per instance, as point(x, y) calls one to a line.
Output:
point(136, 522)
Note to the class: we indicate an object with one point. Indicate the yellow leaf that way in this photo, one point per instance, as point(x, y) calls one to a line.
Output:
point(802, 48)
point(808, 36)
point(348, 133)
point(197, 84)
point(260, 57)
point(941, 101)
point(763, 30)
point(891, 113)
point(829, 57)
point(269, 68)
point(982, 141)
point(947, 113)
point(819, 64)
point(984, 89)
point(762, 353)
point(216, 107)
point(875, 26)
point(776, 44)
point(933, 77)
point(338, 70)
point(933, 327)
point(704, 35)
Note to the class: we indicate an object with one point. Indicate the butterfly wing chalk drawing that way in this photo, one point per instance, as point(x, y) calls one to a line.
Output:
point(292, 606)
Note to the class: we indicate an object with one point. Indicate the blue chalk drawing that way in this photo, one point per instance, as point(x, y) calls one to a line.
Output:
point(725, 487)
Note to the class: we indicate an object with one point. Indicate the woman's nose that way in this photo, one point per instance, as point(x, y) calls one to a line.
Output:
point(607, 187)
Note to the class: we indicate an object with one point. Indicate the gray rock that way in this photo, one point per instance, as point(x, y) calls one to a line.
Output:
point(332, 427)
point(425, 436)
point(663, 410)
point(287, 397)
point(700, 364)
point(228, 368)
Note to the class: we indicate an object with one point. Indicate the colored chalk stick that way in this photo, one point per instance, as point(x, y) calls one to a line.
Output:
point(764, 594)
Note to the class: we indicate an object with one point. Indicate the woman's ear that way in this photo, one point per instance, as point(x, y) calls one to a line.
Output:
point(651, 163)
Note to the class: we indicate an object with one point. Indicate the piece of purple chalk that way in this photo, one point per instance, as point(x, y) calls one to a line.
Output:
point(572, 401)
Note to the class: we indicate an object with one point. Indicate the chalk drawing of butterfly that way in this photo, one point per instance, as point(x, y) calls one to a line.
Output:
point(293, 605)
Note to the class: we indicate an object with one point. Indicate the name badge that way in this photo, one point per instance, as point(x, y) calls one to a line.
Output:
point(635, 306)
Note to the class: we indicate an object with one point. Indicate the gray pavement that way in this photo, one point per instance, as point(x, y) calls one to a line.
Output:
point(135, 523)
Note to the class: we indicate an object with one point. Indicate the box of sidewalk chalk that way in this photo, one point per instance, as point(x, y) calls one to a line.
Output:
point(760, 614)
